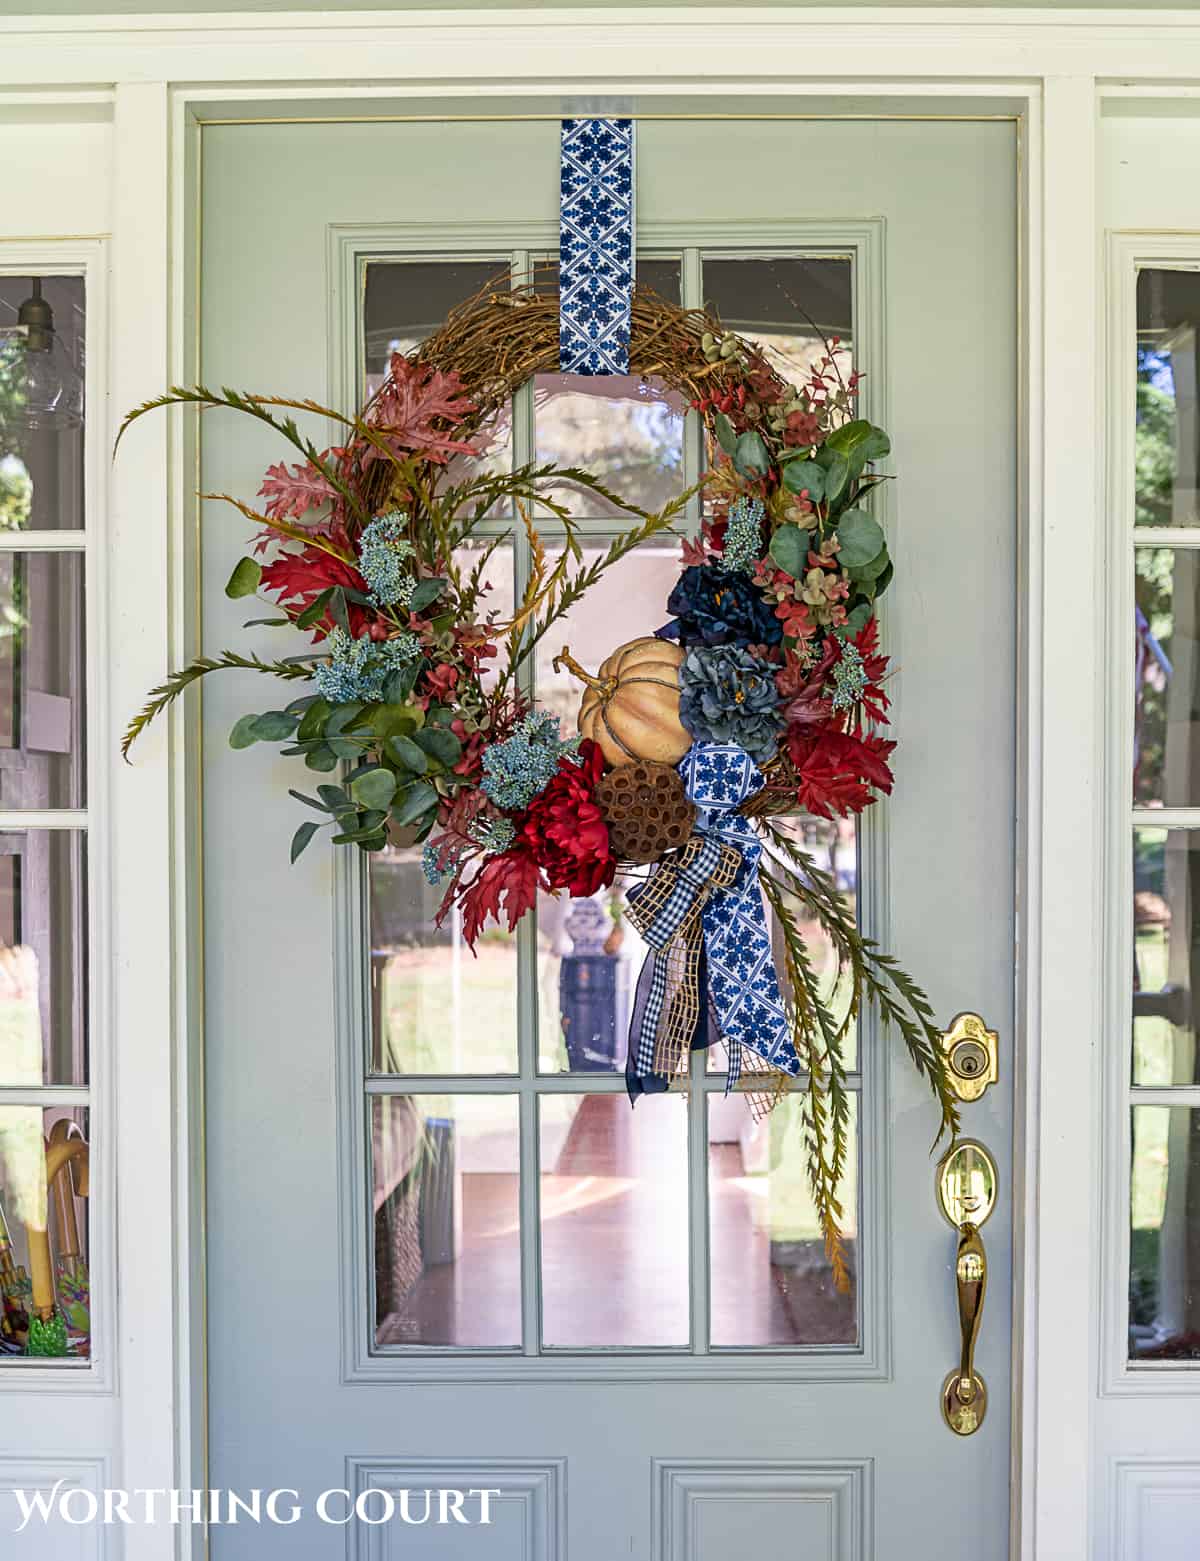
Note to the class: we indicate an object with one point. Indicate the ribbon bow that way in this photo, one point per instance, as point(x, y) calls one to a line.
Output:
point(703, 916)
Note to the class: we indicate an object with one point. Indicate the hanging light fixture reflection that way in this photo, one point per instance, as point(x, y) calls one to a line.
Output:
point(46, 387)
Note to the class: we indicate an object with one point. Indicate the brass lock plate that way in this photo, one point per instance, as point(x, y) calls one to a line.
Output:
point(972, 1056)
point(967, 1181)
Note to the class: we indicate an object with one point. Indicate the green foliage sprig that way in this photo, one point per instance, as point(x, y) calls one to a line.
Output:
point(876, 979)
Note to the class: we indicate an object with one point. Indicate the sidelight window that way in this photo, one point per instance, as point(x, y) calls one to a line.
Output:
point(45, 1076)
point(518, 1203)
point(1164, 1080)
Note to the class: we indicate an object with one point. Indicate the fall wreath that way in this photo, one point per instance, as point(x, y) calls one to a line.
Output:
point(761, 694)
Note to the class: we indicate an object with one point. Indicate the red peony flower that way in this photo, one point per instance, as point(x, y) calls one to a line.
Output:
point(564, 829)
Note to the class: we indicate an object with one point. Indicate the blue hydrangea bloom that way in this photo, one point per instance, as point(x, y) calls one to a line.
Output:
point(728, 695)
point(518, 769)
point(358, 669)
point(382, 551)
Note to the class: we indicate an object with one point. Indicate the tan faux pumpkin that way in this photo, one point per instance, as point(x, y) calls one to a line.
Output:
point(631, 707)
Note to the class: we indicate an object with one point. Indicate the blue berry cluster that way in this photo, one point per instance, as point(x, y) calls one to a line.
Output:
point(437, 865)
point(849, 678)
point(494, 834)
point(743, 535)
point(382, 551)
point(518, 769)
point(358, 669)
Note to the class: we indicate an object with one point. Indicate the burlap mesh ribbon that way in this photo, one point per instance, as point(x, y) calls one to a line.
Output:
point(710, 976)
point(667, 912)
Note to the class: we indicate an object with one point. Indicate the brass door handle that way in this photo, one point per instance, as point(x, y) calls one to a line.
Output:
point(966, 1186)
point(964, 1392)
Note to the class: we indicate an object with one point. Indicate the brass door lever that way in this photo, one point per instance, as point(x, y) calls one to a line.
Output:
point(966, 1187)
point(964, 1392)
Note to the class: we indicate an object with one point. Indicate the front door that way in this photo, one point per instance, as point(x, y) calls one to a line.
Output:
point(443, 1252)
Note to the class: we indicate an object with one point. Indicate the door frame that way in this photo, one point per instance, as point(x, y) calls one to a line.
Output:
point(1047, 67)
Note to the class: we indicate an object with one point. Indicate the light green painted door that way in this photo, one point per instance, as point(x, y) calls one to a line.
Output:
point(621, 1321)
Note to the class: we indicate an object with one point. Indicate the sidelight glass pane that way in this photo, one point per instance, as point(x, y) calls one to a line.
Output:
point(45, 1295)
point(41, 403)
point(1164, 1276)
point(436, 1007)
point(42, 648)
point(772, 1283)
point(1166, 963)
point(1167, 450)
point(1166, 677)
point(447, 1223)
point(43, 979)
point(614, 1209)
point(623, 429)
point(791, 304)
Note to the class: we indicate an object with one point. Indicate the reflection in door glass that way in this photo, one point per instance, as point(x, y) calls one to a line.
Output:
point(1167, 464)
point(1164, 1258)
point(614, 1203)
point(45, 1290)
point(771, 1281)
point(447, 1223)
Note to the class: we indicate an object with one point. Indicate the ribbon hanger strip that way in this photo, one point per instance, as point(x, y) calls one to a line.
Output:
point(595, 276)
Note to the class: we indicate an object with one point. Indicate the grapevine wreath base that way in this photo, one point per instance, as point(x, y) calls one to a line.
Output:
point(759, 696)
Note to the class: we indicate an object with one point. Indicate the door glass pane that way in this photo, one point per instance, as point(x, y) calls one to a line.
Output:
point(771, 1281)
point(436, 1007)
point(614, 1209)
point(41, 403)
point(625, 430)
point(43, 976)
point(42, 644)
point(1167, 460)
point(447, 1223)
point(588, 954)
point(1164, 1278)
point(792, 304)
point(1166, 876)
point(1166, 677)
point(404, 301)
point(45, 1298)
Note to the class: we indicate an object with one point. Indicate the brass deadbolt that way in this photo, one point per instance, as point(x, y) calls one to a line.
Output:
point(972, 1055)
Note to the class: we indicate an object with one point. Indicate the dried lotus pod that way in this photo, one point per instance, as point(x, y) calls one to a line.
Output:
point(646, 809)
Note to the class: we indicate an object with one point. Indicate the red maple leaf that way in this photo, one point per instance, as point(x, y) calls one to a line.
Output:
point(875, 702)
point(506, 884)
point(413, 408)
point(290, 494)
point(837, 772)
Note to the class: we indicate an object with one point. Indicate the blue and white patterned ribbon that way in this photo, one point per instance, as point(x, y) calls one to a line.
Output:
point(743, 995)
point(596, 246)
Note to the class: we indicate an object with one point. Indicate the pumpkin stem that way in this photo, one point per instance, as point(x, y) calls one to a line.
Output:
point(603, 686)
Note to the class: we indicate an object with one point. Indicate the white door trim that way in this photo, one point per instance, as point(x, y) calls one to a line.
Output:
point(868, 60)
